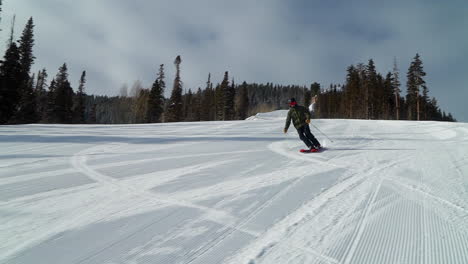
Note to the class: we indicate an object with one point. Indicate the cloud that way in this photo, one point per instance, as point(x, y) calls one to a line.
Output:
point(287, 42)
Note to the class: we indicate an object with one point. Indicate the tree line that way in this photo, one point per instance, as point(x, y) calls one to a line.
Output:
point(366, 94)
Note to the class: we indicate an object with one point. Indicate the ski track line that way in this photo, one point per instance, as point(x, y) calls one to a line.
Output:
point(33, 176)
point(134, 162)
point(79, 163)
point(426, 194)
point(245, 220)
point(363, 223)
point(114, 243)
point(283, 226)
point(78, 217)
point(277, 148)
point(314, 253)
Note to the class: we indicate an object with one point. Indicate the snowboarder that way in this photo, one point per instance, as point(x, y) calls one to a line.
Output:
point(301, 119)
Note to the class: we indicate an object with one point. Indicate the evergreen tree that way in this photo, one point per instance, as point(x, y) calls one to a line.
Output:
point(424, 101)
point(197, 105)
point(352, 93)
point(26, 111)
point(93, 114)
point(415, 81)
point(79, 104)
point(26, 44)
point(307, 97)
point(156, 98)
point(63, 112)
point(188, 106)
point(219, 101)
point(388, 97)
point(243, 105)
point(41, 94)
point(49, 115)
point(10, 82)
point(371, 94)
point(229, 97)
point(222, 98)
point(315, 89)
point(206, 101)
point(174, 111)
point(396, 88)
point(155, 103)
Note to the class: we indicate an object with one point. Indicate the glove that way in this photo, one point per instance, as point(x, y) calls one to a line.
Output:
point(308, 121)
point(285, 130)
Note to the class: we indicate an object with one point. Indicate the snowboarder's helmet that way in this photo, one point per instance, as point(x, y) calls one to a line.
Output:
point(292, 102)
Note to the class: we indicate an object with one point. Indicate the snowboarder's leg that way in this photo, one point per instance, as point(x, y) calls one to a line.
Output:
point(311, 137)
point(303, 137)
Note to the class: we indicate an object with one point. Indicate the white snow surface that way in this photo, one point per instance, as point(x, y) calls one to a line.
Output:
point(234, 192)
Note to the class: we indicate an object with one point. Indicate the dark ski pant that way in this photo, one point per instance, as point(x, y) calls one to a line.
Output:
point(307, 137)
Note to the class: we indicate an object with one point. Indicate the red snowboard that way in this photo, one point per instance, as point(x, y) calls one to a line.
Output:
point(313, 150)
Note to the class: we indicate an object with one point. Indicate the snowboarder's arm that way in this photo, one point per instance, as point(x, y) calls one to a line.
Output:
point(288, 122)
point(307, 113)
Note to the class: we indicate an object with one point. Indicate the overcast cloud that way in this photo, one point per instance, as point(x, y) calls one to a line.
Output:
point(287, 42)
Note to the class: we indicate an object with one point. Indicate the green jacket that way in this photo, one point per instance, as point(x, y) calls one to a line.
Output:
point(299, 115)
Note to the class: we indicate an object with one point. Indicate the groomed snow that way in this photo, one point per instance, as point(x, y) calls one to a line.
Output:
point(234, 192)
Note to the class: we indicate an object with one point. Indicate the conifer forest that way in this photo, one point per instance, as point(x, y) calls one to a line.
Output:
point(47, 97)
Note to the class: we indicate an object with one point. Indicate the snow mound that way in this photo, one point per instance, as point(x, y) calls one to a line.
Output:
point(278, 114)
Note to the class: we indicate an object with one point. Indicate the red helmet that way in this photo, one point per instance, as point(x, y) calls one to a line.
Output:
point(292, 102)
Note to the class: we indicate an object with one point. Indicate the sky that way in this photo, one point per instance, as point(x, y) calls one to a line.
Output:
point(287, 42)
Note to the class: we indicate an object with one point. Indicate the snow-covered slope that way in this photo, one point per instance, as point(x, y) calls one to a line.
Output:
point(234, 192)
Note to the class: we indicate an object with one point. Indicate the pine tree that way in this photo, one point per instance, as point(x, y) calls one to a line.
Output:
point(243, 105)
point(79, 104)
point(388, 97)
point(206, 101)
point(26, 111)
point(188, 106)
point(26, 44)
point(219, 102)
point(396, 88)
point(352, 99)
point(63, 110)
point(156, 101)
point(10, 83)
point(174, 111)
point(41, 94)
point(415, 81)
point(221, 98)
point(198, 105)
point(307, 97)
point(93, 114)
point(49, 115)
point(229, 97)
point(371, 95)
